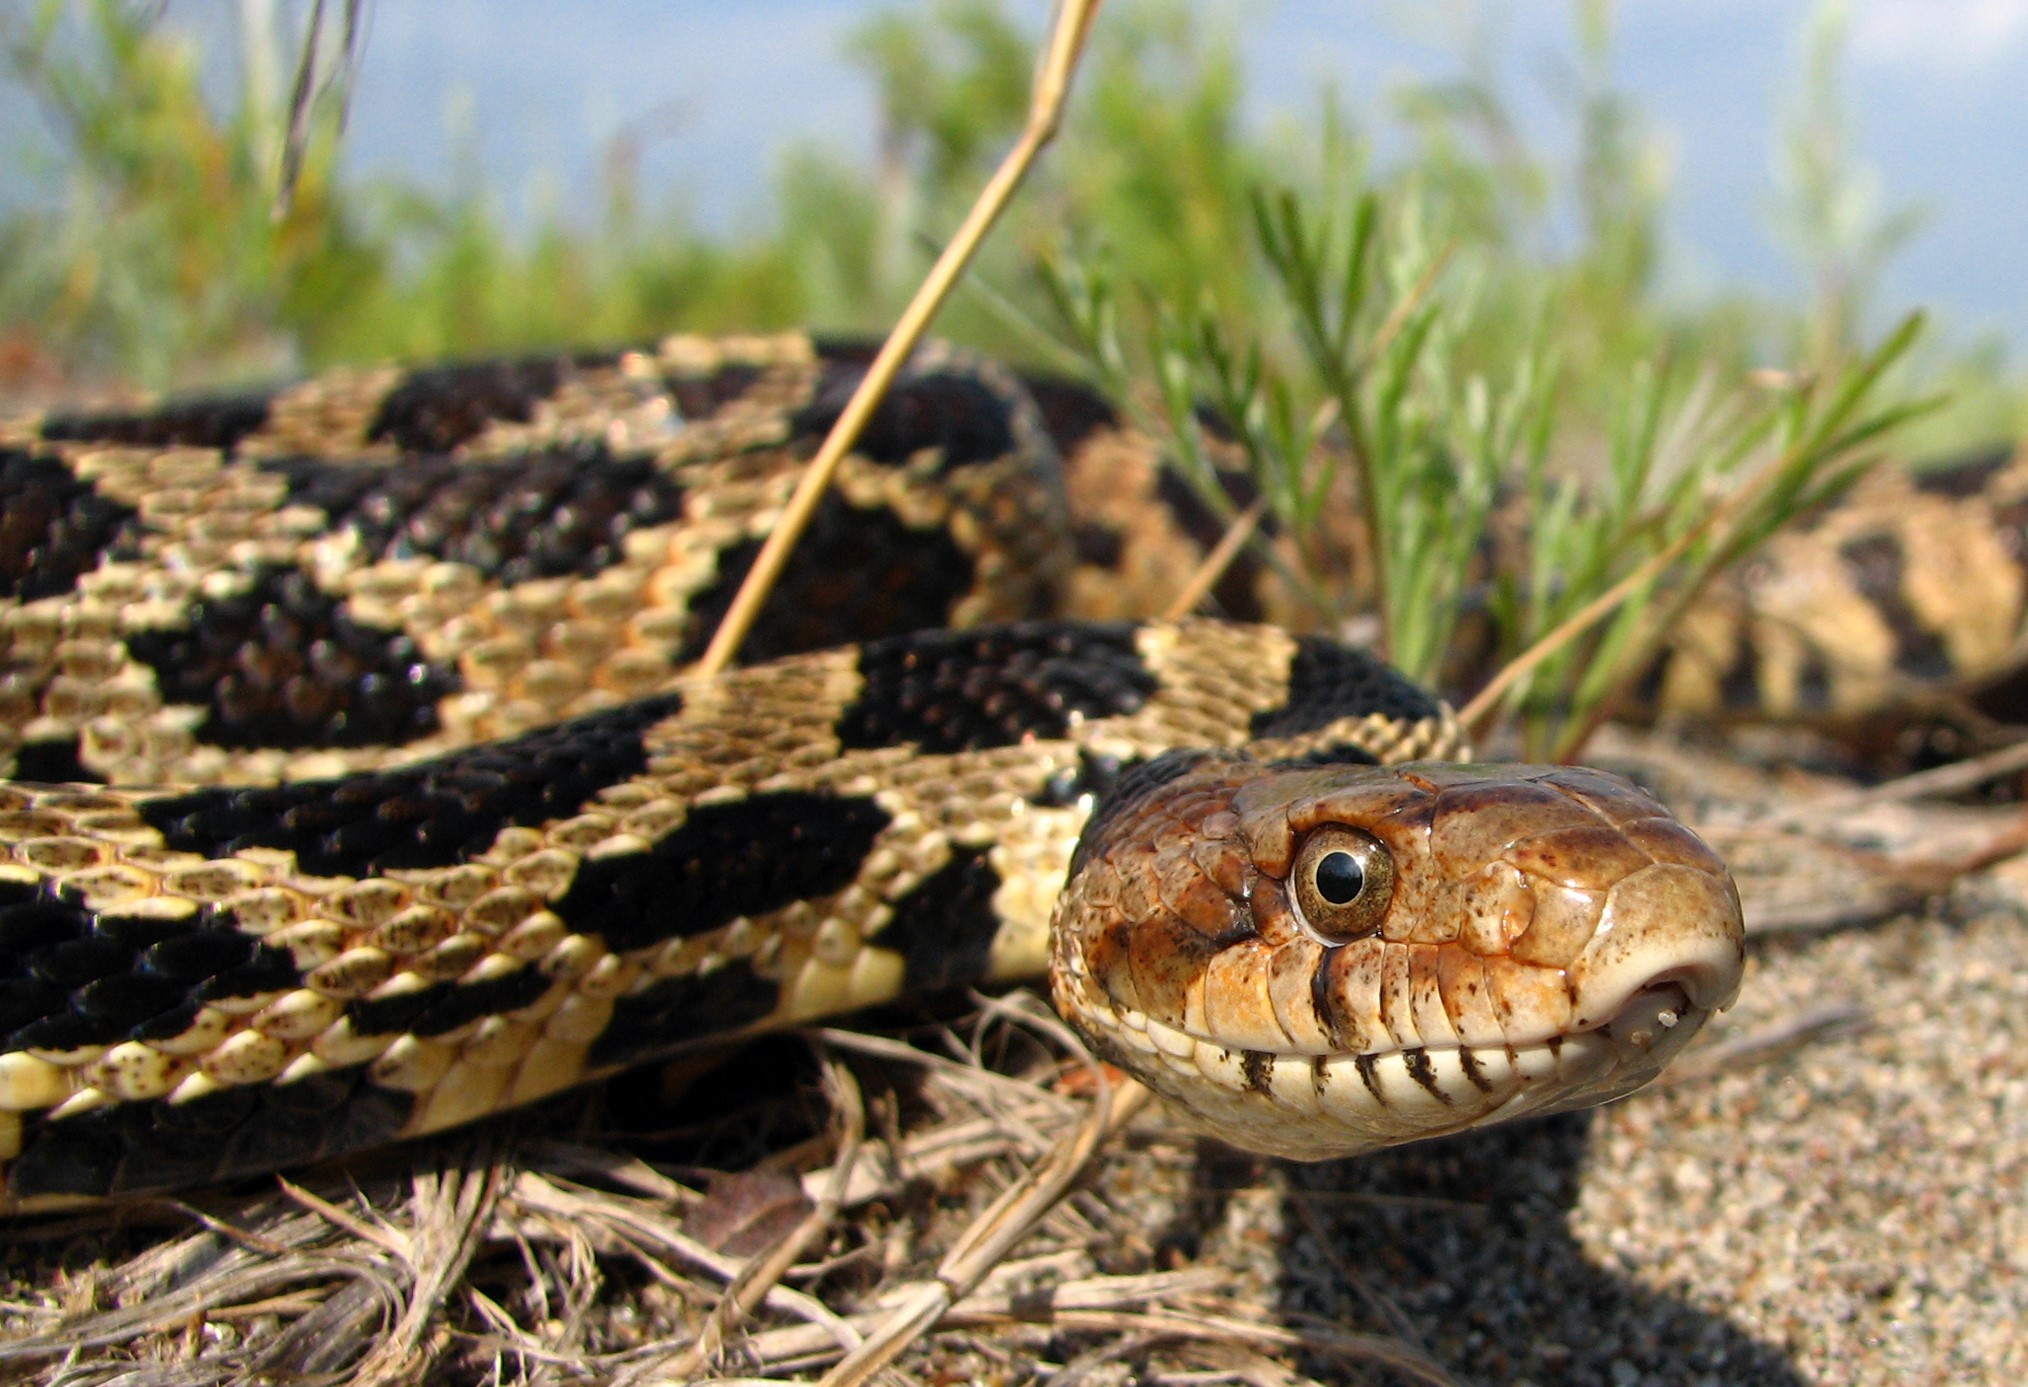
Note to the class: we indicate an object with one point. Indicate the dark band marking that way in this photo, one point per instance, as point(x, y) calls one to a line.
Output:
point(54, 527)
point(944, 929)
point(1813, 682)
point(1071, 412)
point(855, 574)
point(948, 691)
point(445, 1006)
point(433, 411)
point(1337, 754)
point(1964, 477)
point(53, 763)
point(282, 665)
point(134, 1148)
point(1329, 681)
point(701, 396)
point(194, 421)
point(1878, 567)
point(1474, 1075)
point(1095, 774)
point(1324, 999)
point(957, 413)
point(70, 976)
point(1368, 1067)
point(1739, 685)
point(1424, 1073)
point(269, 970)
point(1257, 1068)
point(743, 858)
point(560, 513)
point(431, 814)
point(681, 1010)
point(1098, 546)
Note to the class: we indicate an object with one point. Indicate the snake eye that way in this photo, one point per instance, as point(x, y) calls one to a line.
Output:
point(1343, 879)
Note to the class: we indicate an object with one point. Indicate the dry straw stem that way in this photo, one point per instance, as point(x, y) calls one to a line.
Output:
point(1216, 562)
point(1953, 779)
point(1003, 1223)
point(763, 1273)
point(1045, 113)
point(1480, 709)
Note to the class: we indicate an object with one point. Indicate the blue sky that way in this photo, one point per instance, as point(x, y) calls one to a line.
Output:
point(537, 90)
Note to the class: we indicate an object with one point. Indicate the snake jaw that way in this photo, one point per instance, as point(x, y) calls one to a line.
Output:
point(1554, 941)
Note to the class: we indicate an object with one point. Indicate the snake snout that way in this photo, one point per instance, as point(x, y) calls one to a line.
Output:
point(1667, 927)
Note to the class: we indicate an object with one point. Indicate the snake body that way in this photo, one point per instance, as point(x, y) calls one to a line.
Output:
point(388, 805)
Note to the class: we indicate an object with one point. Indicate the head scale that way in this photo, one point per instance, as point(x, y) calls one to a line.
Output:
point(1319, 961)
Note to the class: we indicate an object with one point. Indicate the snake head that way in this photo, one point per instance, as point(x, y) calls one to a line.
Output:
point(1316, 961)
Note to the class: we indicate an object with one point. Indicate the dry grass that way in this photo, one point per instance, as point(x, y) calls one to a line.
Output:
point(948, 1222)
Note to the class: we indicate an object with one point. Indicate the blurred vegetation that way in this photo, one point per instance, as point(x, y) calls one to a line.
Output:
point(1465, 316)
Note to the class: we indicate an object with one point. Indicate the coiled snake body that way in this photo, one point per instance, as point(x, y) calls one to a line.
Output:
point(450, 831)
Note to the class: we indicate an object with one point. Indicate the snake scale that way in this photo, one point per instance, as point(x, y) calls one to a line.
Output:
point(358, 790)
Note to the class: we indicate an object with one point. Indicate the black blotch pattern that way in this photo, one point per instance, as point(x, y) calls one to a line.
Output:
point(1648, 688)
point(846, 351)
point(282, 665)
point(1329, 681)
point(700, 397)
point(136, 1148)
point(1965, 476)
point(1071, 411)
point(435, 410)
point(953, 411)
point(674, 1012)
point(744, 857)
point(71, 976)
point(445, 1006)
point(52, 763)
point(1341, 754)
point(269, 970)
point(1098, 546)
point(855, 574)
point(1257, 1070)
point(1877, 563)
point(557, 513)
point(1813, 681)
point(431, 814)
point(1236, 590)
point(1739, 685)
point(1131, 790)
point(193, 421)
point(944, 928)
point(54, 527)
point(948, 691)
point(1095, 774)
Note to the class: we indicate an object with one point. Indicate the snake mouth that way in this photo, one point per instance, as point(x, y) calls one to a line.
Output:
point(1334, 1105)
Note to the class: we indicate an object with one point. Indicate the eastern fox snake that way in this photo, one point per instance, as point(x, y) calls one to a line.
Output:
point(449, 830)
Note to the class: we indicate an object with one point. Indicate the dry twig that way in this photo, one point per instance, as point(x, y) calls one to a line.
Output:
point(1052, 90)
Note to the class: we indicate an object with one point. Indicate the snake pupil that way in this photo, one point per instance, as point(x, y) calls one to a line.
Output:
point(1339, 878)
